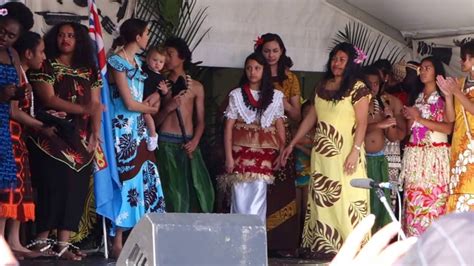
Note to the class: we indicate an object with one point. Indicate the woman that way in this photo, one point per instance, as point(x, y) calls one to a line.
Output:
point(282, 219)
point(341, 107)
point(141, 186)
point(16, 199)
point(461, 196)
point(425, 165)
point(62, 165)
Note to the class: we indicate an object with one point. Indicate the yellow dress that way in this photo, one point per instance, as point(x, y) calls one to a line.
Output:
point(334, 206)
point(461, 196)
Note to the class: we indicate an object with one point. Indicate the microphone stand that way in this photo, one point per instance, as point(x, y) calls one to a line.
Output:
point(384, 201)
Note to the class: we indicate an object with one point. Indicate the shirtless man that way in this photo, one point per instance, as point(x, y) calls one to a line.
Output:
point(385, 121)
point(185, 179)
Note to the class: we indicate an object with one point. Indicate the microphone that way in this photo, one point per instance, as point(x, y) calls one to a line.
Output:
point(369, 183)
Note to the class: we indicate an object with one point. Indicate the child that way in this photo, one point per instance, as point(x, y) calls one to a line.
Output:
point(303, 165)
point(253, 135)
point(155, 82)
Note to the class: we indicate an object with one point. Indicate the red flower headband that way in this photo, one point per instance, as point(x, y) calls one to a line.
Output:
point(258, 42)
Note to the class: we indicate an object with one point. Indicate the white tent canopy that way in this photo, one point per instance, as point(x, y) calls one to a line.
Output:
point(308, 26)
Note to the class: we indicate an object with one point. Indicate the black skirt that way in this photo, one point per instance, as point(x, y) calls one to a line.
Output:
point(61, 191)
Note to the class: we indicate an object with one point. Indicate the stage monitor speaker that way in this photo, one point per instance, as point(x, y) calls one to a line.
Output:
point(196, 239)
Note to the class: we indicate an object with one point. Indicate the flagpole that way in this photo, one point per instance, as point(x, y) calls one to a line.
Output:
point(104, 233)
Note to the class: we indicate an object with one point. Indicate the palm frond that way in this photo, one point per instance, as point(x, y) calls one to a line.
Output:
point(375, 45)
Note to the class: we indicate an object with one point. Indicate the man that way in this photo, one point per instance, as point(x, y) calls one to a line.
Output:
point(385, 121)
point(185, 179)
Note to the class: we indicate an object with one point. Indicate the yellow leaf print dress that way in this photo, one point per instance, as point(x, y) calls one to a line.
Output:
point(334, 207)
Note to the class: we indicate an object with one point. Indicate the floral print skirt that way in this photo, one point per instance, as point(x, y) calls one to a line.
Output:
point(425, 173)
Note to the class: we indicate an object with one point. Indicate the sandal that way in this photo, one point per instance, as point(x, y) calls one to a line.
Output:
point(43, 245)
point(68, 251)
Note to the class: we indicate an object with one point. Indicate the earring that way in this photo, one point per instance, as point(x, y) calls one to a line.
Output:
point(472, 68)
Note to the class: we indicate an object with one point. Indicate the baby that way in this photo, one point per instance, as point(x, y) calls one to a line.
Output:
point(155, 82)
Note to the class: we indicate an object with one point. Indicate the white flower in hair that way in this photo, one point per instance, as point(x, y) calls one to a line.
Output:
point(3, 12)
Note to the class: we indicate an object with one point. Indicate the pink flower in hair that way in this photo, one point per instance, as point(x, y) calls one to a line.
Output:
point(361, 56)
point(3, 12)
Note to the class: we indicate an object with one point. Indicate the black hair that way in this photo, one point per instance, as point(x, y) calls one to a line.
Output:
point(284, 62)
point(20, 13)
point(373, 71)
point(266, 85)
point(384, 65)
point(439, 70)
point(351, 71)
point(183, 49)
point(83, 53)
point(467, 49)
point(129, 30)
point(411, 81)
point(28, 41)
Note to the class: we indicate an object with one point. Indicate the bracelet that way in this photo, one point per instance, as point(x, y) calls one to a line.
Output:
point(356, 147)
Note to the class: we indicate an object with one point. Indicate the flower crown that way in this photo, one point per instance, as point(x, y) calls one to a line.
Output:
point(361, 56)
point(258, 42)
point(3, 12)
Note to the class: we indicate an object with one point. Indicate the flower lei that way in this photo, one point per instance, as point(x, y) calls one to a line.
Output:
point(3, 12)
point(249, 100)
point(258, 42)
point(361, 56)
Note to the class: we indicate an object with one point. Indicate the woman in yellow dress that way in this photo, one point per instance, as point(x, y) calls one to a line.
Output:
point(341, 107)
point(461, 112)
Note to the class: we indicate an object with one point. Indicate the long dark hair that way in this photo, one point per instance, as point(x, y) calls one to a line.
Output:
point(129, 30)
point(83, 55)
point(284, 62)
point(266, 85)
point(20, 13)
point(439, 70)
point(351, 71)
point(28, 41)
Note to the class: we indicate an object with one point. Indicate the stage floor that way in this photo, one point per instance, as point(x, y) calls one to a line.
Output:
point(100, 261)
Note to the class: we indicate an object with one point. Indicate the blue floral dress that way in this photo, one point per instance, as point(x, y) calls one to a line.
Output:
point(141, 185)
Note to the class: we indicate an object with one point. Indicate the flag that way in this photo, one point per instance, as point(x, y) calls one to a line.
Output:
point(106, 180)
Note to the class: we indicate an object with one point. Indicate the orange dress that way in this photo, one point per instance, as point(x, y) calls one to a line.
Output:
point(461, 196)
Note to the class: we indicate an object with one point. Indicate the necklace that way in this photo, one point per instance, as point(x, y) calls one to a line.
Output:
point(249, 100)
point(32, 101)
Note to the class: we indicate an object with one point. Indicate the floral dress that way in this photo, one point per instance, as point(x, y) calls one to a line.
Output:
point(141, 185)
point(425, 168)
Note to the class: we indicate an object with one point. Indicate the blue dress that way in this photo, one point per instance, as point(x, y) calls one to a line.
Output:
point(8, 75)
point(141, 185)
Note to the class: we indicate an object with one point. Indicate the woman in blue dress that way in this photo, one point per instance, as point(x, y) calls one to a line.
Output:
point(141, 186)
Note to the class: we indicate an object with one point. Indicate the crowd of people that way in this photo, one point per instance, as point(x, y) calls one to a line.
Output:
point(288, 161)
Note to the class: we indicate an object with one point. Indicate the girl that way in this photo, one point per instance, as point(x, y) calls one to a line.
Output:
point(425, 165)
point(253, 135)
point(282, 229)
